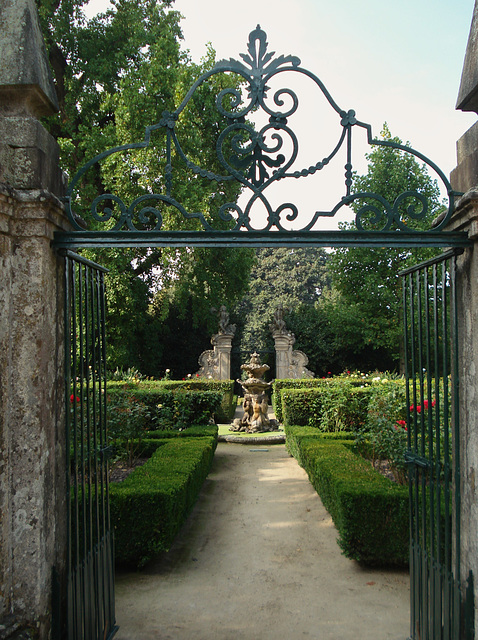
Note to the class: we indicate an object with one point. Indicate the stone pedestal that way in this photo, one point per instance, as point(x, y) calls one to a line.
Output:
point(216, 363)
point(289, 364)
point(283, 346)
point(222, 346)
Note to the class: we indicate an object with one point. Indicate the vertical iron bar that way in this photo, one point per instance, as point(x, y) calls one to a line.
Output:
point(99, 459)
point(406, 346)
point(427, 412)
point(77, 495)
point(456, 421)
point(95, 549)
point(71, 597)
point(437, 586)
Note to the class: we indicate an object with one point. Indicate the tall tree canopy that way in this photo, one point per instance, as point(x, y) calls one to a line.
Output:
point(291, 277)
point(115, 74)
point(368, 279)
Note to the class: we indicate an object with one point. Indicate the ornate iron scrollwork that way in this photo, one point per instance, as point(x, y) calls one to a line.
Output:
point(256, 157)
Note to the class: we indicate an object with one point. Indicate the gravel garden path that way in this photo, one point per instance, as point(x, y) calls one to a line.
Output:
point(258, 560)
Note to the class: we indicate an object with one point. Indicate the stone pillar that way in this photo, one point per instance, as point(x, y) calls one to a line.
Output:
point(283, 346)
point(466, 218)
point(222, 350)
point(32, 442)
point(465, 178)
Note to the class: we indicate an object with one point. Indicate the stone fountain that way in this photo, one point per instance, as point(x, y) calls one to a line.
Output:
point(256, 401)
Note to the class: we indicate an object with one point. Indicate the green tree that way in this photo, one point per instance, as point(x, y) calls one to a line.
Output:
point(368, 279)
point(290, 277)
point(115, 74)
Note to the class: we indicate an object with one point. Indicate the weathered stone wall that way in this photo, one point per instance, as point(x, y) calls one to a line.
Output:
point(32, 442)
point(466, 218)
point(465, 179)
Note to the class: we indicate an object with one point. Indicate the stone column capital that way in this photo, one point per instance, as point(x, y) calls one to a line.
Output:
point(465, 216)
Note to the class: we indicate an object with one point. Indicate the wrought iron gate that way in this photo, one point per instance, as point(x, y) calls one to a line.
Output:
point(441, 602)
point(90, 592)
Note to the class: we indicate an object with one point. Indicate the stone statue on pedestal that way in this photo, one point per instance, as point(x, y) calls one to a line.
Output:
point(216, 363)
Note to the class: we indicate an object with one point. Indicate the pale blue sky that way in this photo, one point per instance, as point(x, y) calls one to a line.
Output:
point(389, 60)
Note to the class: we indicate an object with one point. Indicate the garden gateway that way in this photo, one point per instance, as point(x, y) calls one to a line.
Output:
point(57, 580)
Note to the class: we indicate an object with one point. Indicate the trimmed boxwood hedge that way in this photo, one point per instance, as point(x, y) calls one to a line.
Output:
point(149, 507)
point(292, 383)
point(193, 404)
point(333, 407)
point(149, 444)
point(370, 511)
point(153, 392)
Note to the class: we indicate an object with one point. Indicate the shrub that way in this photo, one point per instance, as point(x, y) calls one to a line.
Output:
point(369, 511)
point(384, 434)
point(150, 506)
point(278, 385)
point(127, 419)
point(163, 392)
point(170, 409)
point(336, 406)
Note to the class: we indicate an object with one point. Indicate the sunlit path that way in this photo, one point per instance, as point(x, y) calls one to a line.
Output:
point(258, 558)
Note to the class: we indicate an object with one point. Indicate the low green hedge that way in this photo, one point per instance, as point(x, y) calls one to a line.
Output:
point(179, 408)
point(190, 391)
point(295, 433)
point(338, 406)
point(149, 507)
point(370, 511)
point(147, 446)
point(284, 383)
point(227, 407)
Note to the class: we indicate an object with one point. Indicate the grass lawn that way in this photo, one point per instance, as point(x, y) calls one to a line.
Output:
point(224, 431)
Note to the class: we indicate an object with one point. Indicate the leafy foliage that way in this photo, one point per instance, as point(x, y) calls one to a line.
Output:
point(367, 280)
point(115, 74)
point(291, 277)
point(150, 506)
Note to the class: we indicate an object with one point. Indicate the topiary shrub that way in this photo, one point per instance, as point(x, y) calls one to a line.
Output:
point(371, 512)
point(150, 506)
point(336, 406)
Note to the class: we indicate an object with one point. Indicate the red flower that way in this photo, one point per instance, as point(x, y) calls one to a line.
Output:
point(72, 398)
point(401, 423)
point(425, 404)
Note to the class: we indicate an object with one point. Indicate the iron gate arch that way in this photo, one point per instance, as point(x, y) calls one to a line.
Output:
point(256, 161)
